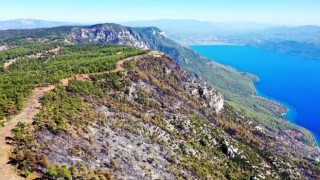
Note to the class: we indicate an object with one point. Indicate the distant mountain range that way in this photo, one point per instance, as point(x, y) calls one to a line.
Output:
point(186, 30)
point(31, 24)
point(191, 25)
point(298, 40)
point(178, 29)
point(301, 40)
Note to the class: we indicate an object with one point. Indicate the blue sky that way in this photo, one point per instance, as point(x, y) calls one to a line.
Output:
point(263, 11)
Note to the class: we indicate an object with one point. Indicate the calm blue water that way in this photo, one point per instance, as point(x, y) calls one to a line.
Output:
point(291, 80)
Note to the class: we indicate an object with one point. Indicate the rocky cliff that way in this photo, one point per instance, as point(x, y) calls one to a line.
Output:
point(108, 34)
point(143, 38)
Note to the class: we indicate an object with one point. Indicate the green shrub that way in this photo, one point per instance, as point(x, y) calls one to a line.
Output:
point(57, 171)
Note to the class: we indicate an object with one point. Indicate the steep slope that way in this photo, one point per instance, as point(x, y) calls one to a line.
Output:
point(109, 57)
point(237, 88)
point(151, 121)
point(246, 122)
point(153, 38)
point(232, 84)
point(32, 107)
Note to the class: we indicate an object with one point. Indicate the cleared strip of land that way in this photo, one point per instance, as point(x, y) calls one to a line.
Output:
point(32, 108)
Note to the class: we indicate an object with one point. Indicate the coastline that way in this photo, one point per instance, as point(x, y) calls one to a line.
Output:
point(290, 115)
point(316, 139)
point(291, 112)
point(288, 112)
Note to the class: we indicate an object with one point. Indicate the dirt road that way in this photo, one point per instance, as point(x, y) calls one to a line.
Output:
point(83, 77)
point(32, 108)
point(34, 56)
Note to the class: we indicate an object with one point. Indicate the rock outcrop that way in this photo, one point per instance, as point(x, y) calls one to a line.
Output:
point(200, 89)
point(115, 34)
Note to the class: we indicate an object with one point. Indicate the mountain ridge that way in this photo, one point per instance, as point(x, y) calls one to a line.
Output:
point(235, 87)
point(246, 122)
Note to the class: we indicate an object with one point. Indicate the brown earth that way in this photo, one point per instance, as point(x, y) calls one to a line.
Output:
point(11, 61)
point(83, 77)
point(32, 108)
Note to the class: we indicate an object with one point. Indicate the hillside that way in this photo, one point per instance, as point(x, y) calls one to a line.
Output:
point(152, 120)
point(152, 117)
point(237, 88)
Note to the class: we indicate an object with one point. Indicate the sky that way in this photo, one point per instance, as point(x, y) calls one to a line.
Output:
point(288, 12)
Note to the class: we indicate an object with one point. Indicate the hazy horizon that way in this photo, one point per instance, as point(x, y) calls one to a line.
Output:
point(165, 19)
point(286, 12)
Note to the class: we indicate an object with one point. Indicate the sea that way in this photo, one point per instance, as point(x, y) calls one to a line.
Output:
point(291, 80)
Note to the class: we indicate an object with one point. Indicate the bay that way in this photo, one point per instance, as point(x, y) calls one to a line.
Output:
point(291, 80)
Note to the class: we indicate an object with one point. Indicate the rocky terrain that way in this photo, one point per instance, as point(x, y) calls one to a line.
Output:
point(108, 34)
point(159, 116)
point(139, 146)
point(4, 47)
point(155, 121)
point(234, 86)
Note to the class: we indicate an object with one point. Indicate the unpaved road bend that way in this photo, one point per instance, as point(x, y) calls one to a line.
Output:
point(32, 108)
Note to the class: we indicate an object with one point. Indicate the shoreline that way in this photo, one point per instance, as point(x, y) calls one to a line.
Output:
point(290, 115)
point(277, 106)
point(316, 139)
